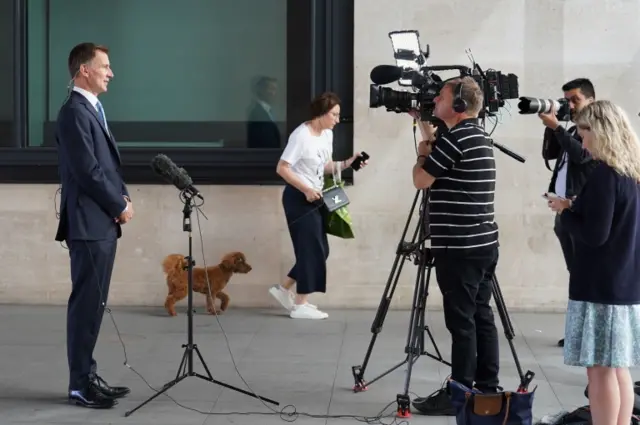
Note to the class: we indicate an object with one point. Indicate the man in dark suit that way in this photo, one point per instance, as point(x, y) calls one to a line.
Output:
point(262, 130)
point(95, 202)
point(574, 163)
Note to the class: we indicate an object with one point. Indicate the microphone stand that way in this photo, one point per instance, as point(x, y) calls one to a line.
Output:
point(186, 364)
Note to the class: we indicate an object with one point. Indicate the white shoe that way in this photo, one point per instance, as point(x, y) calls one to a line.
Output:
point(306, 311)
point(284, 297)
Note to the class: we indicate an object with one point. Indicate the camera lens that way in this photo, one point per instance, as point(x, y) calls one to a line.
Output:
point(532, 105)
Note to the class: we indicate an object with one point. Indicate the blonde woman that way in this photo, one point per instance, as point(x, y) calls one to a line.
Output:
point(602, 331)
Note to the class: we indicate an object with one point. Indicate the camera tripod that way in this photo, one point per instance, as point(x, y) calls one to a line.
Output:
point(415, 347)
point(186, 364)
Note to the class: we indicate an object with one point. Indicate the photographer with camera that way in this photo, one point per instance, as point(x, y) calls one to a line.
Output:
point(458, 165)
point(573, 162)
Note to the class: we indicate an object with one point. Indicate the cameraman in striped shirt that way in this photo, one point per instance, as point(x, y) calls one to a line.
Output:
point(458, 165)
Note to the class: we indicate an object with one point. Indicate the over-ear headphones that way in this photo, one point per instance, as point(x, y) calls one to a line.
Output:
point(459, 104)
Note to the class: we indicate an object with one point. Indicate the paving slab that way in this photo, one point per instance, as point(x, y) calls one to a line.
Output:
point(304, 365)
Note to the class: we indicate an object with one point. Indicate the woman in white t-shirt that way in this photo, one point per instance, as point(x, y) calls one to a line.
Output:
point(306, 159)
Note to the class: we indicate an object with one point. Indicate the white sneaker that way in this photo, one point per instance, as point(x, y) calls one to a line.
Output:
point(284, 297)
point(306, 311)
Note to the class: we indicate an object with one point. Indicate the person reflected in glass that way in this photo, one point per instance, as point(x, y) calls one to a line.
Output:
point(262, 129)
point(602, 330)
point(306, 159)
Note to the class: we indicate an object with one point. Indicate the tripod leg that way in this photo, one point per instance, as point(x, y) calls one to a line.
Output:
point(209, 378)
point(424, 352)
point(497, 295)
point(415, 335)
point(525, 378)
point(415, 338)
point(385, 302)
point(164, 389)
point(182, 370)
point(417, 327)
point(204, 365)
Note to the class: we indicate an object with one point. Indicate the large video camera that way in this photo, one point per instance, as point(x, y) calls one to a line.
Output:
point(411, 70)
point(533, 105)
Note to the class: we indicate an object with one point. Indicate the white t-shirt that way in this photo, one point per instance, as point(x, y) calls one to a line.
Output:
point(308, 154)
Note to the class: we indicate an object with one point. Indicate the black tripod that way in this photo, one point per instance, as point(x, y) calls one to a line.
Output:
point(186, 364)
point(415, 347)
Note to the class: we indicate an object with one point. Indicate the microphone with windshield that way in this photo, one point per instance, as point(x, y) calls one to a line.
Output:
point(165, 168)
point(385, 74)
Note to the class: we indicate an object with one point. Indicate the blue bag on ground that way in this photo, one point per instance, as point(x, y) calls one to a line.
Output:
point(503, 408)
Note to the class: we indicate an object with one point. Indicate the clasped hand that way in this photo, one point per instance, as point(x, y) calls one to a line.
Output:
point(127, 214)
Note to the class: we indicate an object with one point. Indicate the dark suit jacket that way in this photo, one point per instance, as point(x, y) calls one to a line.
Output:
point(262, 132)
point(580, 163)
point(93, 189)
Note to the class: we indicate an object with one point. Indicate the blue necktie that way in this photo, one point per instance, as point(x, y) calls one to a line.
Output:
point(102, 115)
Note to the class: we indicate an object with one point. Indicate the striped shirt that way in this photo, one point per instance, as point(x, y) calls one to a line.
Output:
point(461, 214)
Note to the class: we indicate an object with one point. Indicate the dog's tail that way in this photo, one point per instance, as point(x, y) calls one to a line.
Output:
point(173, 263)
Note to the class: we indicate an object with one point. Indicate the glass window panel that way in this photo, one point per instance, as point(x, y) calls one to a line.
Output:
point(186, 72)
point(7, 118)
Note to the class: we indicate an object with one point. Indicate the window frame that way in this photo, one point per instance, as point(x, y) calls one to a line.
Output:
point(329, 66)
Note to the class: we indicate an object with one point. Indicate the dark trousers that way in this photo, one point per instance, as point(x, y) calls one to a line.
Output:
point(566, 242)
point(91, 267)
point(466, 285)
point(306, 222)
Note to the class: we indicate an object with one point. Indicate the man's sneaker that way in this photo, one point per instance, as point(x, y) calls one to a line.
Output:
point(307, 311)
point(436, 404)
point(284, 297)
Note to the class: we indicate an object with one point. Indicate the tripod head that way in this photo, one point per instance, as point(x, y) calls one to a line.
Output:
point(417, 249)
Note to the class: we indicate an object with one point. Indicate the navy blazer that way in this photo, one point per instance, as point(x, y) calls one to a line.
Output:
point(93, 189)
point(604, 223)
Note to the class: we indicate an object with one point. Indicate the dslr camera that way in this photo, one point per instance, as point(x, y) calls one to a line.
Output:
point(533, 105)
point(411, 71)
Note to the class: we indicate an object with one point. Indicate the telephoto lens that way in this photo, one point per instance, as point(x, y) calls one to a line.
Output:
point(533, 105)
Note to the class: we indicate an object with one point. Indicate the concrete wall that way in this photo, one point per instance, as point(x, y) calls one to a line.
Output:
point(544, 42)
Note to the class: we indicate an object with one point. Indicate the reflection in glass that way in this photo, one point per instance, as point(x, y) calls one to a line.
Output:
point(6, 74)
point(181, 68)
point(262, 127)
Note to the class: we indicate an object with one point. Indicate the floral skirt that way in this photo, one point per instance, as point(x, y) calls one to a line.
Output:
point(602, 335)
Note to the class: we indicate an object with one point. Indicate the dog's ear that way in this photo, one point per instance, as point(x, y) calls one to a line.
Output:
point(239, 258)
point(227, 265)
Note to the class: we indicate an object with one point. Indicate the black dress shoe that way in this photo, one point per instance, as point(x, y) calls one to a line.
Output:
point(437, 404)
point(91, 399)
point(101, 386)
point(561, 343)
